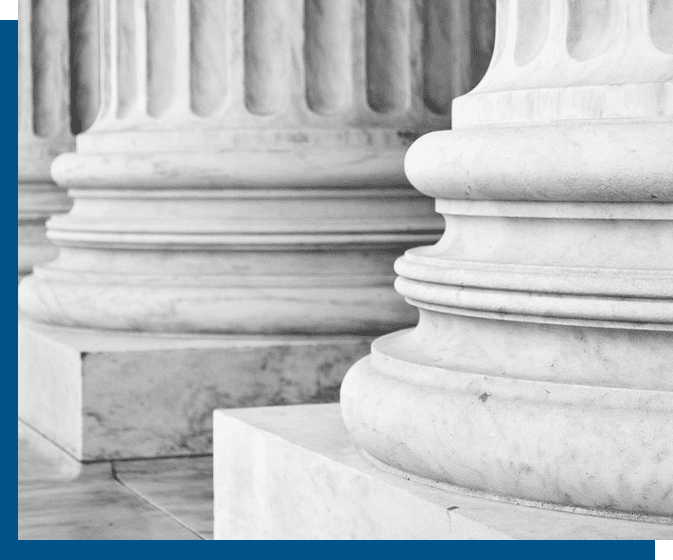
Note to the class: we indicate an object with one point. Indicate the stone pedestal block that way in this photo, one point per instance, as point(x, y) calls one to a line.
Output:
point(295, 473)
point(103, 395)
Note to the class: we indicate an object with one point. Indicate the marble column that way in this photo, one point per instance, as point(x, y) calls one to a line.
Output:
point(541, 369)
point(57, 62)
point(244, 176)
point(44, 123)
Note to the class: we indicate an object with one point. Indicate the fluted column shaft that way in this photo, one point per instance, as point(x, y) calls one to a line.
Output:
point(541, 368)
point(245, 172)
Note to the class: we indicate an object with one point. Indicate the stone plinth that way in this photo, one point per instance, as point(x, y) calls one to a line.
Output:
point(244, 175)
point(295, 473)
point(105, 395)
point(541, 368)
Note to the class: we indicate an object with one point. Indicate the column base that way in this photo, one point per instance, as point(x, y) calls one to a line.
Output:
point(103, 395)
point(34, 248)
point(36, 203)
point(295, 473)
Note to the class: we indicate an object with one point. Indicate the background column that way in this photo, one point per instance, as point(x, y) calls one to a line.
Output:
point(244, 176)
point(58, 90)
point(245, 171)
point(44, 122)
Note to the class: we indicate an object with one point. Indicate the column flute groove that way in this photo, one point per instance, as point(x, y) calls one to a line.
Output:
point(329, 40)
point(209, 50)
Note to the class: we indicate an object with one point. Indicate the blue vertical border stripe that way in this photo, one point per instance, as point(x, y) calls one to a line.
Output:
point(9, 103)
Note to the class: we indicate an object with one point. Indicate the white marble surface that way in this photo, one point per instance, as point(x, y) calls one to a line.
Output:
point(40, 459)
point(570, 442)
point(93, 505)
point(295, 473)
point(103, 395)
point(183, 488)
point(608, 161)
